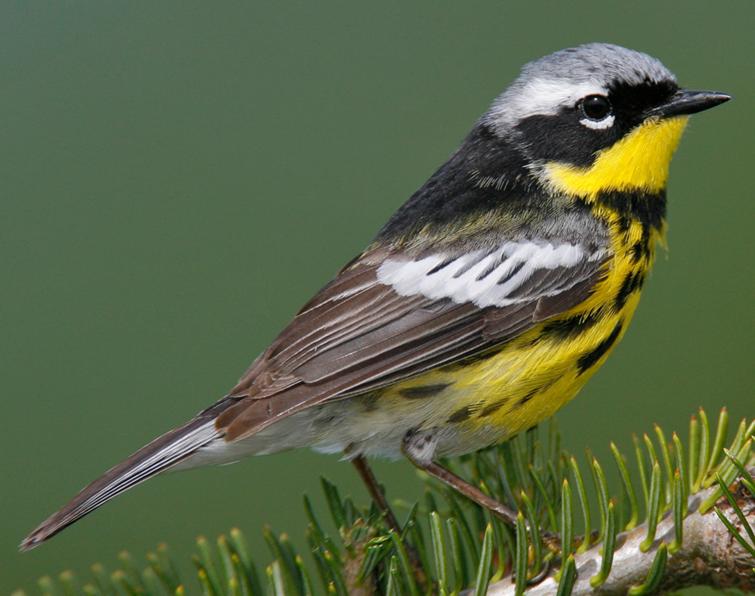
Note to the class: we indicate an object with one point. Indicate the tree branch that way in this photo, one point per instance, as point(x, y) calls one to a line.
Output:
point(709, 555)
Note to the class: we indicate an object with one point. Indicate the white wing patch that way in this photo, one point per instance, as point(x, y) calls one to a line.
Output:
point(485, 277)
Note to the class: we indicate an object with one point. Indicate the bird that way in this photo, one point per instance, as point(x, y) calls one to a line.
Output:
point(484, 303)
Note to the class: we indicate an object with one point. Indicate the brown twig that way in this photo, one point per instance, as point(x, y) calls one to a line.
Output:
point(709, 555)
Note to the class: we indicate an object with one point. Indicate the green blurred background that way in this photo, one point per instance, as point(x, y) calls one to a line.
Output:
point(178, 178)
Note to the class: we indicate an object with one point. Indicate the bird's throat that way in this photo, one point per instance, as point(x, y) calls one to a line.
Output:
point(638, 162)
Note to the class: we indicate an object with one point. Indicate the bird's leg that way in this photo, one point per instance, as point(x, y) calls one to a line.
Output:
point(502, 511)
point(417, 447)
point(378, 497)
point(376, 492)
point(460, 485)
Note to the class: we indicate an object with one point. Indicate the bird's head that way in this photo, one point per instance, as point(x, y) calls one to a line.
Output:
point(597, 117)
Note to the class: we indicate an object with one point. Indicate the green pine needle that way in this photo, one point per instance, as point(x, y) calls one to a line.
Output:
point(458, 545)
point(483, 569)
point(655, 575)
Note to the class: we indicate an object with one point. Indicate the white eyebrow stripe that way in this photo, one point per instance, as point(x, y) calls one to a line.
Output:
point(516, 263)
point(539, 97)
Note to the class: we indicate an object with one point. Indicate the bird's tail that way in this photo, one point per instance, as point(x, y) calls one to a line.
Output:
point(161, 454)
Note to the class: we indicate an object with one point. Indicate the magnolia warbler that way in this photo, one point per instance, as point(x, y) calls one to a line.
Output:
point(485, 302)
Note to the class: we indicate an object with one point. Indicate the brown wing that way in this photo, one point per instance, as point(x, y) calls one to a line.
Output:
point(358, 334)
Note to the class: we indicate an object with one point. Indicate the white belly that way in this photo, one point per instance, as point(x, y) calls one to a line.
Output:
point(348, 426)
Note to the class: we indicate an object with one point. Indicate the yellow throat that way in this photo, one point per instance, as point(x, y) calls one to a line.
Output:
point(639, 161)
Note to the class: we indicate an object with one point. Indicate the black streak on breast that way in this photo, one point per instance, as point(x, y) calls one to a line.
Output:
point(423, 391)
point(460, 415)
point(589, 359)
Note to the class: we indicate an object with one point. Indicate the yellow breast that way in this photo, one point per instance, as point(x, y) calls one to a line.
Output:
point(531, 377)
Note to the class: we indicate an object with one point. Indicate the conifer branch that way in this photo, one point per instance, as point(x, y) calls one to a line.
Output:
point(709, 555)
point(698, 528)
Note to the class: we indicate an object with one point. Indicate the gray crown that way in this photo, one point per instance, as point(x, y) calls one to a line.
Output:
point(555, 80)
point(597, 61)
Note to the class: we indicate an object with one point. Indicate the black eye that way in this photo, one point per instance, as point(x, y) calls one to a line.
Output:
point(595, 107)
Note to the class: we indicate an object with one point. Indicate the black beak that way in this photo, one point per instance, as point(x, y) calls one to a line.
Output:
point(685, 102)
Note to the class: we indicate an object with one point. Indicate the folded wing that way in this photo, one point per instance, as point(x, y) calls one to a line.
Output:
point(390, 316)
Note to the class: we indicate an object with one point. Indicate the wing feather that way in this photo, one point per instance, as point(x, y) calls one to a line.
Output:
point(362, 331)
